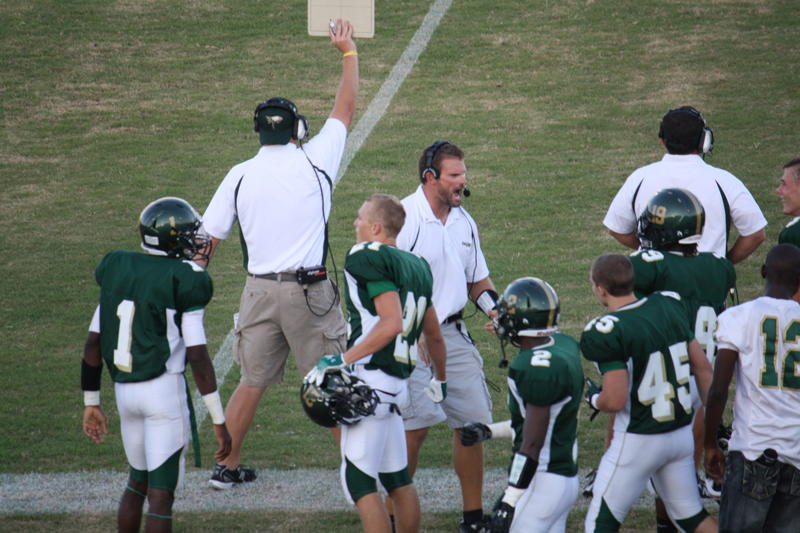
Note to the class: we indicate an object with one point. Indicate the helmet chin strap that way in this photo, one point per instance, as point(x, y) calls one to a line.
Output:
point(504, 361)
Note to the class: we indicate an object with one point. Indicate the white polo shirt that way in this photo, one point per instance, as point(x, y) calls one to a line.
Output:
point(688, 172)
point(282, 204)
point(453, 251)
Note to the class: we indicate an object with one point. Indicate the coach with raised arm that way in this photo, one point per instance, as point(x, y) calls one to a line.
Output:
point(282, 201)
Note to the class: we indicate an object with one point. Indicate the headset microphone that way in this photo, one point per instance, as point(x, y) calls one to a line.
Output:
point(466, 192)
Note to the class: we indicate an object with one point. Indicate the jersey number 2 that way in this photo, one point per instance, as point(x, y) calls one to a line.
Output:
point(123, 359)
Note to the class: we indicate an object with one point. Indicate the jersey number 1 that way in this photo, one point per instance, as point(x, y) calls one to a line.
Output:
point(123, 359)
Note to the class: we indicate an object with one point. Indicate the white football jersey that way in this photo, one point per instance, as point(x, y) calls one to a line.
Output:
point(766, 408)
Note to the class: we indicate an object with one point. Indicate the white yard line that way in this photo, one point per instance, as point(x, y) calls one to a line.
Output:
point(223, 360)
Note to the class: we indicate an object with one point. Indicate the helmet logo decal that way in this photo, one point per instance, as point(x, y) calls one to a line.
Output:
point(273, 120)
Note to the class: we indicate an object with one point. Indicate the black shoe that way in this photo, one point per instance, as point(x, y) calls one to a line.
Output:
point(224, 478)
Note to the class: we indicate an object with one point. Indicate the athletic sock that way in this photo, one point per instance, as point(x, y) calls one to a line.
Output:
point(472, 517)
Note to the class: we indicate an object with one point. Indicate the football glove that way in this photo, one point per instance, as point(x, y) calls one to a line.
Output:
point(436, 390)
point(591, 394)
point(326, 364)
point(474, 432)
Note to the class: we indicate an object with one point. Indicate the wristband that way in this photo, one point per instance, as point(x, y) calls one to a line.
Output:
point(593, 400)
point(214, 405)
point(512, 495)
point(522, 470)
point(487, 300)
point(348, 54)
point(502, 429)
point(91, 398)
point(90, 376)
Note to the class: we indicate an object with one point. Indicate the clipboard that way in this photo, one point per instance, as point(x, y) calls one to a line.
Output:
point(360, 12)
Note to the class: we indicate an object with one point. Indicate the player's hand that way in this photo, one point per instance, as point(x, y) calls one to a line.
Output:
point(326, 364)
point(714, 463)
point(223, 440)
point(591, 394)
point(502, 518)
point(342, 38)
point(474, 432)
point(436, 390)
point(95, 423)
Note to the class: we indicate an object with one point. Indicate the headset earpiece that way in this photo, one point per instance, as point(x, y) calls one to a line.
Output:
point(299, 122)
point(430, 154)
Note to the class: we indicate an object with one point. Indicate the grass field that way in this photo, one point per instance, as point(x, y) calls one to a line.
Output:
point(107, 105)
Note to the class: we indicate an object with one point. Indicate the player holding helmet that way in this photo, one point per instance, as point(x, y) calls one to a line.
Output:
point(388, 297)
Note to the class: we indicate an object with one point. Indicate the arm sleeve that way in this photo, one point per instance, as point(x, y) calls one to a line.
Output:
point(620, 217)
point(221, 211)
point(326, 148)
point(605, 349)
point(194, 290)
point(745, 212)
point(729, 334)
point(94, 325)
point(192, 328)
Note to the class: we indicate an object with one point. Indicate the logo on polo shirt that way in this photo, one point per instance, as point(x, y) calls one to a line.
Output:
point(466, 243)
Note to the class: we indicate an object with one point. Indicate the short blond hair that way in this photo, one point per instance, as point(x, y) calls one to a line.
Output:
point(388, 211)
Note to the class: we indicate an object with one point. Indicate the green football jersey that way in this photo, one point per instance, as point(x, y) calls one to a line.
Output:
point(703, 281)
point(549, 375)
point(648, 338)
point(142, 300)
point(372, 268)
point(790, 234)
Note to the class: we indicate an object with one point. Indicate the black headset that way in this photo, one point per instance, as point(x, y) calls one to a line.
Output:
point(705, 143)
point(300, 123)
point(430, 154)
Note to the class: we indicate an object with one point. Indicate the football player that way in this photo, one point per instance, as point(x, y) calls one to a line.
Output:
point(789, 191)
point(148, 324)
point(388, 298)
point(545, 385)
point(645, 351)
point(758, 341)
point(669, 229)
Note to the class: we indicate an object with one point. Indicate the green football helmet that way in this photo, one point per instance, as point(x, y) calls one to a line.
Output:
point(528, 308)
point(171, 226)
point(673, 216)
point(342, 399)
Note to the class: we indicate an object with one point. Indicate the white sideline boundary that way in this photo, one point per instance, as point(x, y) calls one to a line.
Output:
point(304, 490)
point(223, 360)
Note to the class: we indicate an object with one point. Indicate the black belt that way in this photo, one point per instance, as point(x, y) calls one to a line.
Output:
point(454, 317)
point(277, 276)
